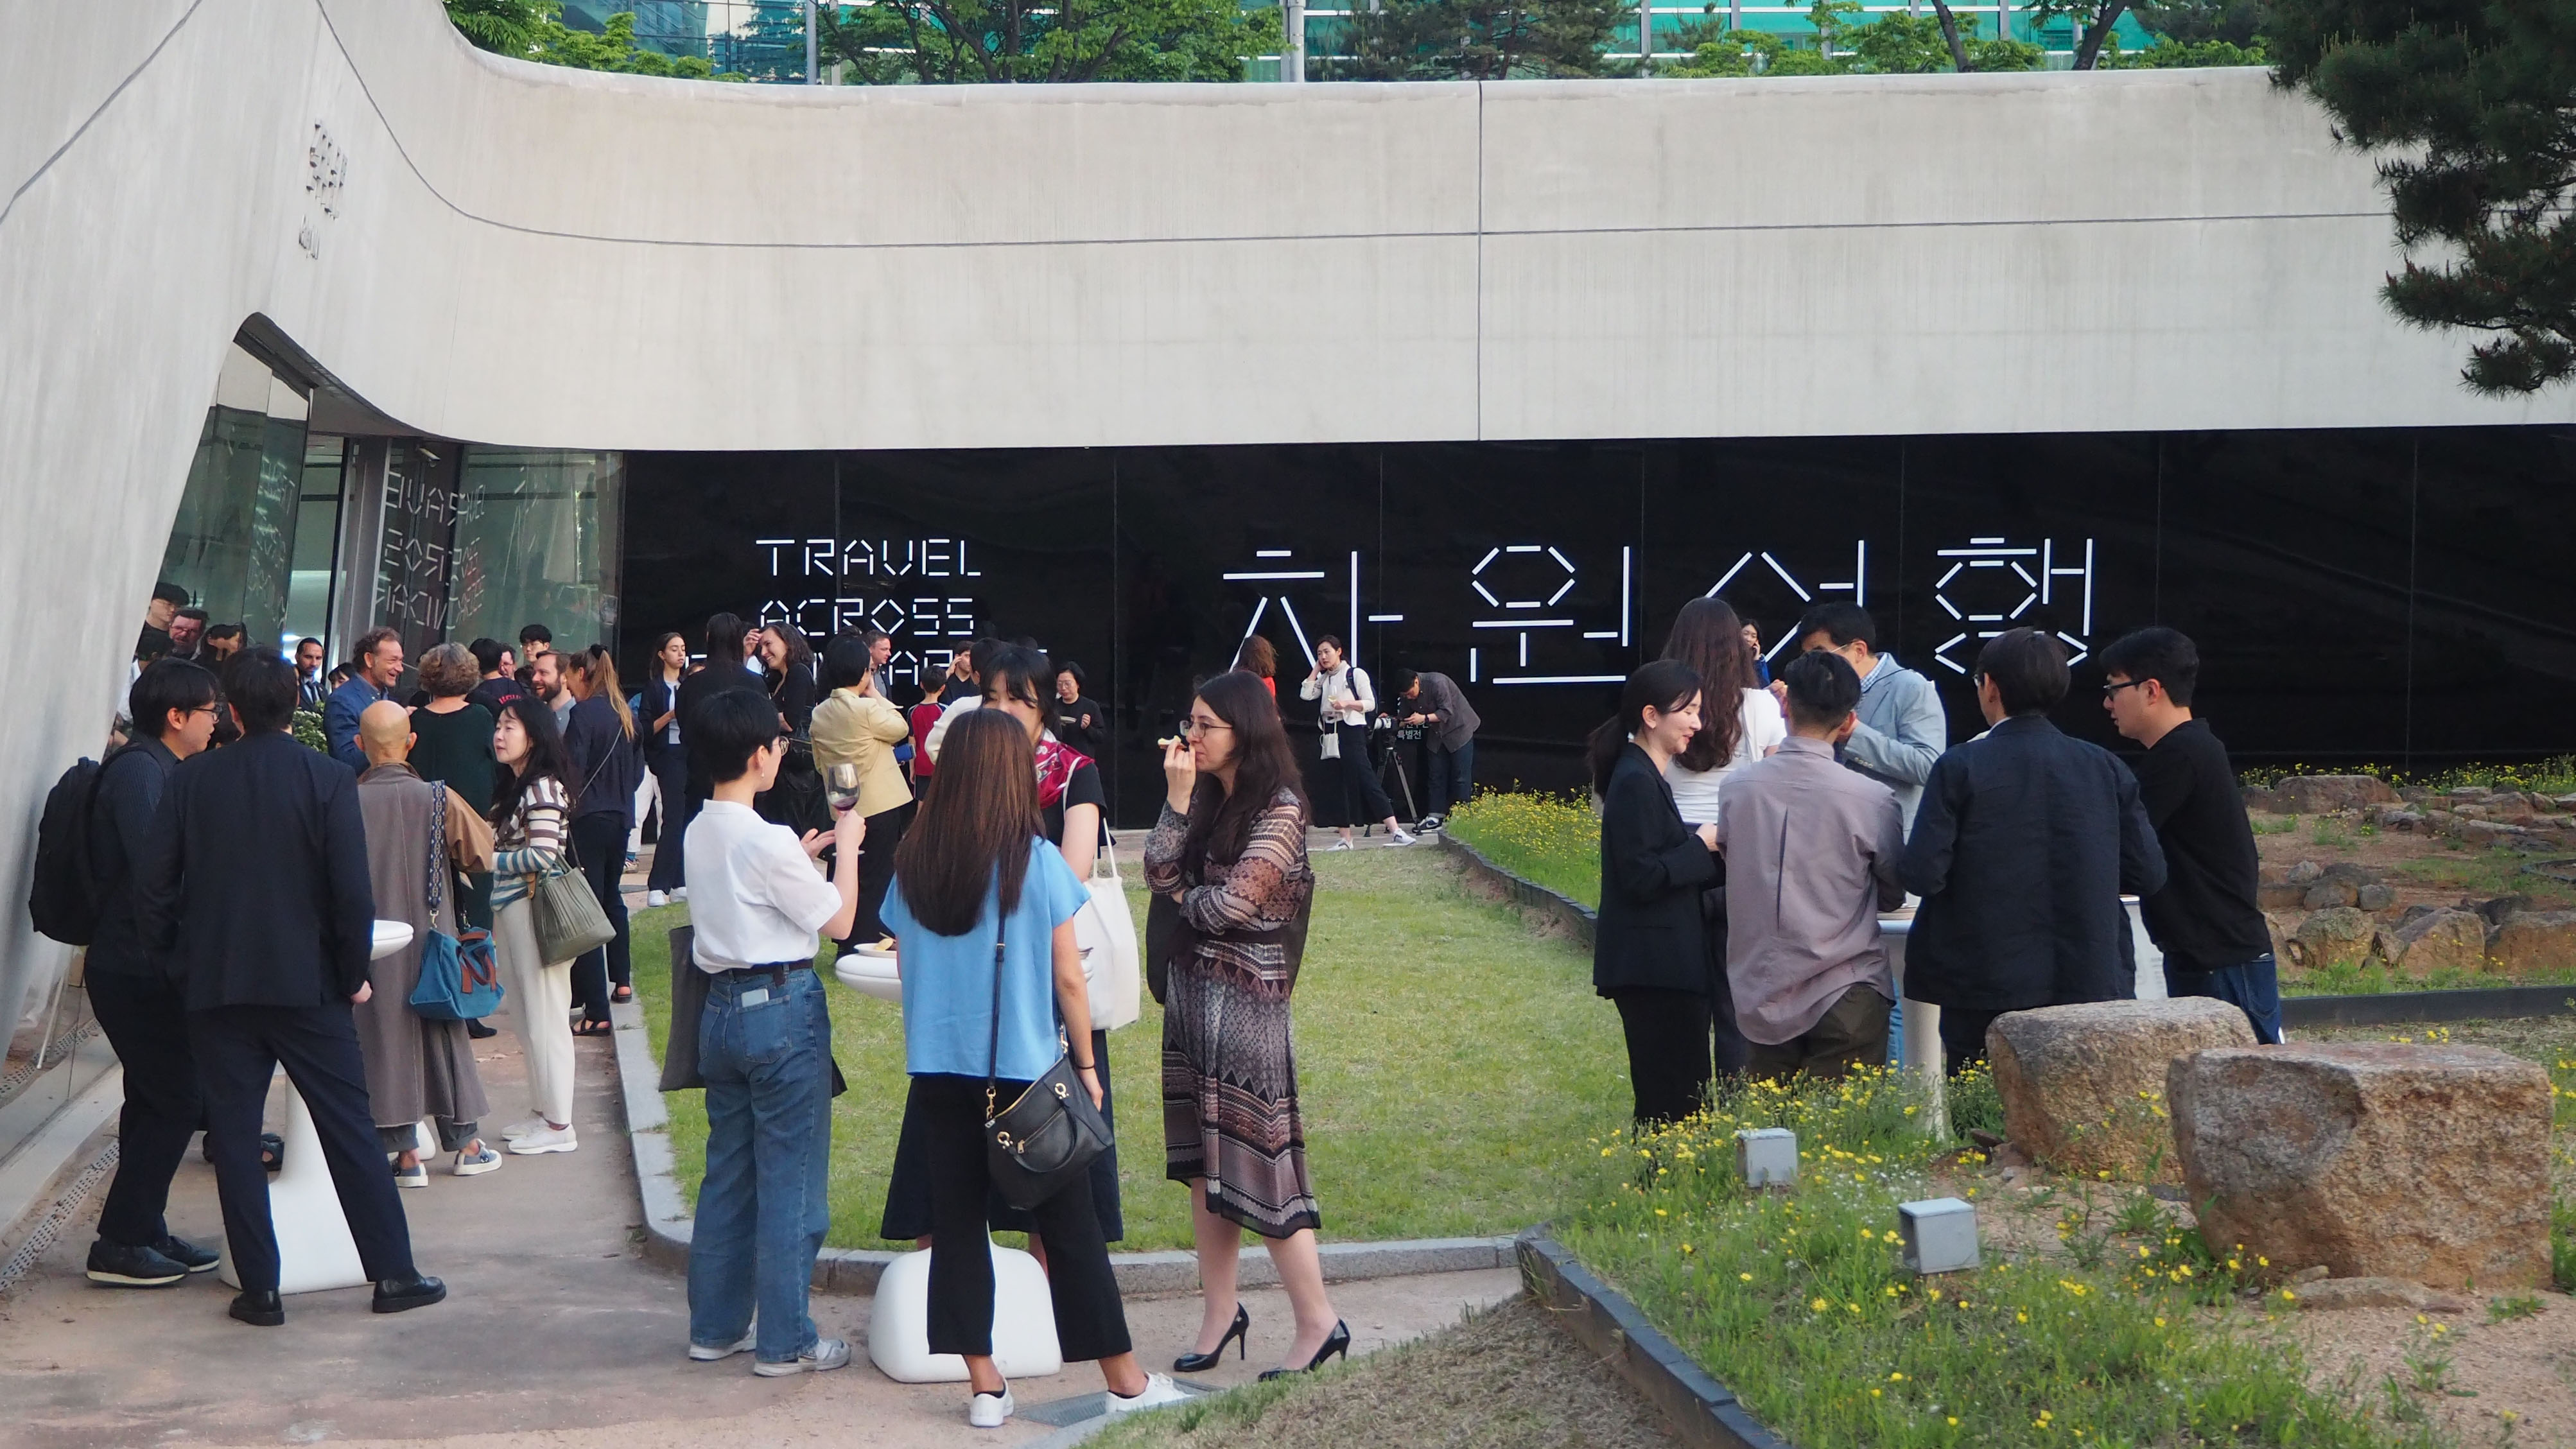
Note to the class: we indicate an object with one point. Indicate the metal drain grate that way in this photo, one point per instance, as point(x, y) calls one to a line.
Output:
point(50, 1226)
point(25, 1071)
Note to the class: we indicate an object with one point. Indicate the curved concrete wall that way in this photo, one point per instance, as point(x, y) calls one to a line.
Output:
point(534, 256)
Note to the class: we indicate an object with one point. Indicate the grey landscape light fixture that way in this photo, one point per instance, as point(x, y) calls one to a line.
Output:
point(1767, 1156)
point(1939, 1235)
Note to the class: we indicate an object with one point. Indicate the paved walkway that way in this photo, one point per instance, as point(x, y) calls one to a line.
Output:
point(555, 1333)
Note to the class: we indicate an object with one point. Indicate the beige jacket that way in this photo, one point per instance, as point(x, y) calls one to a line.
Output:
point(854, 729)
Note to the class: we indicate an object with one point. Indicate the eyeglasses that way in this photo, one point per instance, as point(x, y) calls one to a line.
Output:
point(1196, 726)
point(2112, 691)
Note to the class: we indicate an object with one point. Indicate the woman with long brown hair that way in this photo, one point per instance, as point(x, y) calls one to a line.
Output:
point(1709, 638)
point(982, 911)
point(1230, 848)
point(1259, 660)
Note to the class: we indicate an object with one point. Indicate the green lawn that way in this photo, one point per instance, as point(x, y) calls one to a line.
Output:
point(1452, 1066)
point(1552, 840)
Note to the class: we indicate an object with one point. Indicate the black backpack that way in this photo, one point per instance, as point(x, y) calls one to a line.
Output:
point(64, 899)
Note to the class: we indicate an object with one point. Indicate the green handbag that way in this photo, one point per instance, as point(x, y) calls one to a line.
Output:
point(569, 917)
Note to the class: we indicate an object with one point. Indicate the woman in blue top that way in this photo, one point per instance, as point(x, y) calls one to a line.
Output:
point(975, 866)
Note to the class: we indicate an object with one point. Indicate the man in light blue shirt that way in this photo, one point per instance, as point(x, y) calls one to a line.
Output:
point(380, 663)
point(1902, 729)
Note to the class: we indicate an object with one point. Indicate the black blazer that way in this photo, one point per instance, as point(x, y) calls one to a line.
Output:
point(1652, 871)
point(605, 767)
point(254, 879)
point(794, 691)
point(129, 787)
point(2025, 840)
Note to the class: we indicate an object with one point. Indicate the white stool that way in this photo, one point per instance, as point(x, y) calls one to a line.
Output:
point(1024, 1341)
point(314, 1250)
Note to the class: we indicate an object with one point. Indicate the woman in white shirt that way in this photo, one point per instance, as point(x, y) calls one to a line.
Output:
point(1348, 700)
point(1710, 639)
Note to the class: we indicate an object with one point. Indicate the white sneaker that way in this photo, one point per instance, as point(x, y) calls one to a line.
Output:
point(679, 893)
point(545, 1139)
point(709, 1353)
point(416, 1175)
point(1404, 836)
point(655, 900)
point(1338, 845)
point(826, 1354)
point(990, 1411)
point(478, 1162)
point(517, 1130)
point(1159, 1390)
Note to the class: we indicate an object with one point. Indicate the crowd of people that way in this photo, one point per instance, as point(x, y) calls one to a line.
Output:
point(1753, 836)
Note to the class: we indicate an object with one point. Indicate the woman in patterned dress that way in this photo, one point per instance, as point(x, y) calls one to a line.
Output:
point(1230, 848)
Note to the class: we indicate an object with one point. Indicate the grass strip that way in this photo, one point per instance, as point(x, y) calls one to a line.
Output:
point(1450, 1065)
point(1551, 840)
point(2128, 1331)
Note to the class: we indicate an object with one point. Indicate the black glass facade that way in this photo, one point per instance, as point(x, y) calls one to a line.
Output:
point(2389, 596)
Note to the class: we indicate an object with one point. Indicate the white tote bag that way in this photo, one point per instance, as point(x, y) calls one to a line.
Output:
point(1106, 932)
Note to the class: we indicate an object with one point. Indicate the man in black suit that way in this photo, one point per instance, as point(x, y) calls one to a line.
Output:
point(2021, 849)
point(254, 885)
point(173, 704)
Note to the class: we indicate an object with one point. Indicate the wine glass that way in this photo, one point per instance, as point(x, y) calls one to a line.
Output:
point(841, 782)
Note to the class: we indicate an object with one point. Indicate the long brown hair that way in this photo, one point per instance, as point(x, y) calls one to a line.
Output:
point(601, 671)
point(976, 823)
point(1256, 657)
point(1709, 638)
point(1221, 819)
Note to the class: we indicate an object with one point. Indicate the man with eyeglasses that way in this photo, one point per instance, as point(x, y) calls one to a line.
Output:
point(2025, 843)
point(2207, 919)
point(173, 707)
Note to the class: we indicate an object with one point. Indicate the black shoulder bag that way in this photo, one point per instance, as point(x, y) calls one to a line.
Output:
point(1044, 1142)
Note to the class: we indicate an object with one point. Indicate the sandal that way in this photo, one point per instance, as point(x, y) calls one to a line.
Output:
point(594, 1028)
point(622, 995)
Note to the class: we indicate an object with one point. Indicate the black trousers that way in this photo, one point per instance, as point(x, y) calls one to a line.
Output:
point(876, 871)
point(1360, 789)
point(238, 1048)
point(670, 766)
point(1963, 1037)
point(1668, 1050)
point(600, 841)
point(144, 1021)
point(1090, 1321)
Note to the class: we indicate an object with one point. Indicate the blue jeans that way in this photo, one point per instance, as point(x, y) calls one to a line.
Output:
point(2253, 988)
point(1453, 775)
point(766, 1054)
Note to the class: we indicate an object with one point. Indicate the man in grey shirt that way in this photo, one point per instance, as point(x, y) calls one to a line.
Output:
point(1811, 855)
point(1903, 728)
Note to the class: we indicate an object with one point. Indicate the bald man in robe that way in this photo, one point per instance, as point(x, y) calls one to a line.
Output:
point(416, 1067)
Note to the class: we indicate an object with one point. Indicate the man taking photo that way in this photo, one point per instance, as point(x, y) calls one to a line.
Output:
point(2206, 919)
point(1433, 703)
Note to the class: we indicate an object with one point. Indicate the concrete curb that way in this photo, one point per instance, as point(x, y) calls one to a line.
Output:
point(855, 1270)
point(1576, 917)
point(1701, 1410)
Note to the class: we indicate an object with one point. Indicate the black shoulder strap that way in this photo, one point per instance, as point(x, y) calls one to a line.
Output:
point(993, 1044)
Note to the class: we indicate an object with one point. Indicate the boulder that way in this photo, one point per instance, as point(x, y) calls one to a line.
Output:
point(2272, 893)
point(2441, 940)
point(2306, 872)
point(2375, 897)
point(2337, 935)
point(2083, 1086)
point(2327, 894)
point(2490, 834)
point(2429, 1163)
point(2535, 941)
point(2315, 794)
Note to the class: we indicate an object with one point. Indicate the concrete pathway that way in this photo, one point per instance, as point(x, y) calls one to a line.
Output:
point(555, 1333)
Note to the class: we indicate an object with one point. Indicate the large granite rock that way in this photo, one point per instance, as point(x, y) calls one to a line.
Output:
point(2427, 1163)
point(2334, 936)
point(2083, 1086)
point(2535, 941)
point(2315, 794)
point(2441, 940)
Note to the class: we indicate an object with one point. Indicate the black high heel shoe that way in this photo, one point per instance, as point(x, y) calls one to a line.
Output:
point(1240, 1335)
point(1336, 1342)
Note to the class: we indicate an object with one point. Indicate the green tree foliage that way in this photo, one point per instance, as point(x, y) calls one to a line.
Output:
point(946, 42)
point(1893, 44)
point(2093, 21)
point(2189, 22)
point(1471, 40)
point(534, 30)
point(2168, 54)
point(2477, 99)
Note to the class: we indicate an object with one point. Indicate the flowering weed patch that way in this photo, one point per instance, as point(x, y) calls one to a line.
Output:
point(1554, 840)
point(1796, 1298)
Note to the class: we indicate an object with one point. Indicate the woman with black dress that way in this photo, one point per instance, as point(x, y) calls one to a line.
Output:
point(668, 759)
point(1650, 950)
point(790, 674)
point(1070, 805)
point(452, 741)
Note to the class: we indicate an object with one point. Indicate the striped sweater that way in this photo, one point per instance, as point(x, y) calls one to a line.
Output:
point(529, 842)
